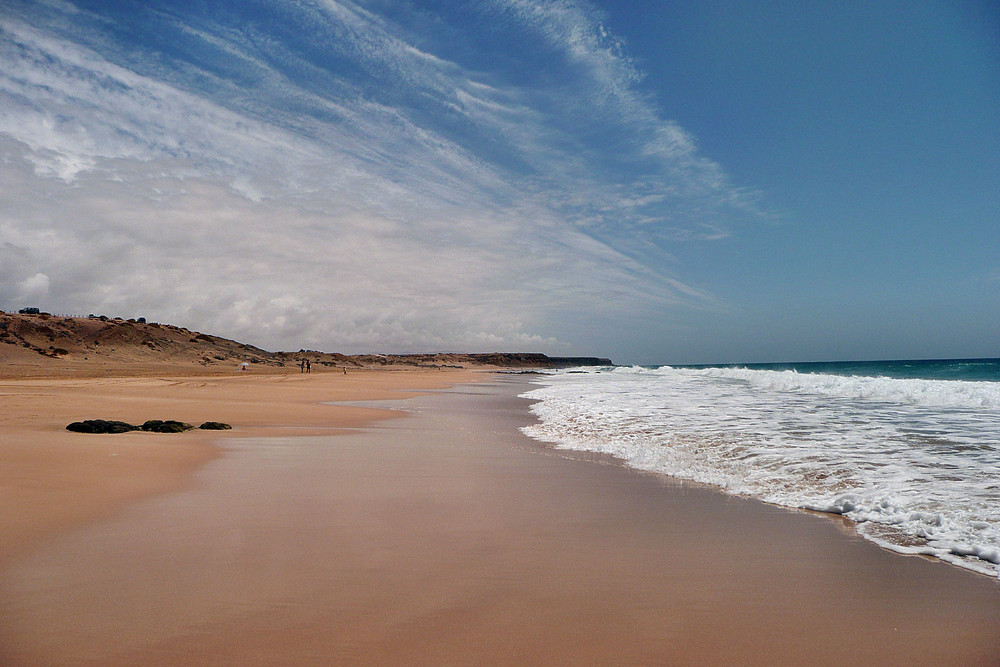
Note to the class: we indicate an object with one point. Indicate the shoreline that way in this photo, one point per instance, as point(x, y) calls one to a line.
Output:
point(842, 523)
point(446, 536)
point(909, 460)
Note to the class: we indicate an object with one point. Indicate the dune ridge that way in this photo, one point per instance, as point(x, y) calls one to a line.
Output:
point(42, 344)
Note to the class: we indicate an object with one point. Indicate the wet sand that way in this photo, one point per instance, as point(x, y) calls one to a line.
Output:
point(51, 479)
point(445, 537)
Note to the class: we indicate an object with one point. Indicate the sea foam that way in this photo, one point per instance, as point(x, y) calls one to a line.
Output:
point(914, 461)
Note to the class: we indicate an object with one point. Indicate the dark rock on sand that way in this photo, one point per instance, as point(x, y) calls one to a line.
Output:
point(165, 426)
point(215, 426)
point(101, 426)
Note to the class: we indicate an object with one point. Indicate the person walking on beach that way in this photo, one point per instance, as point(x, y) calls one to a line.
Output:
point(308, 367)
point(302, 365)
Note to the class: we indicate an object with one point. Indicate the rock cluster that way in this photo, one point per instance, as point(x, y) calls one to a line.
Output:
point(151, 425)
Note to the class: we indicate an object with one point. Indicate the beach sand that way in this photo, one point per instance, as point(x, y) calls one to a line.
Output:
point(442, 537)
point(52, 478)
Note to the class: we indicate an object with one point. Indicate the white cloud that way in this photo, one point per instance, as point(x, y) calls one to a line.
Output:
point(283, 274)
point(33, 288)
point(299, 214)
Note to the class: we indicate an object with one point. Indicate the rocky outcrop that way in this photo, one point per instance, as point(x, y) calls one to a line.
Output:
point(529, 360)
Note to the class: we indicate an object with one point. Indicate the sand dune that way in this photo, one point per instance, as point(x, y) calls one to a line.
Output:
point(36, 345)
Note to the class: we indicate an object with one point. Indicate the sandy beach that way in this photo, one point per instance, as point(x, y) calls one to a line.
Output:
point(53, 478)
point(319, 534)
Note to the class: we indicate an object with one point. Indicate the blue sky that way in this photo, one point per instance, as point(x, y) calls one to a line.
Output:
point(659, 182)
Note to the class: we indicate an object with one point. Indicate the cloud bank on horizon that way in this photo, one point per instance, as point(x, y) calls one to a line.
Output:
point(352, 176)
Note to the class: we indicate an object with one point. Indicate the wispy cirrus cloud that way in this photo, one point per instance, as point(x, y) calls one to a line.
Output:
point(333, 175)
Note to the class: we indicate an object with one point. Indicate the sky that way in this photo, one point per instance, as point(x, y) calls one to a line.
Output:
point(653, 181)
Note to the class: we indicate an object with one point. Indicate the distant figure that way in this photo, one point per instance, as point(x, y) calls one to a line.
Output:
point(308, 367)
point(302, 365)
point(345, 370)
point(244, 366)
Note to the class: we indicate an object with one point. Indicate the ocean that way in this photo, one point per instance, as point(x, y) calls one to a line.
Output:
point(910, 450)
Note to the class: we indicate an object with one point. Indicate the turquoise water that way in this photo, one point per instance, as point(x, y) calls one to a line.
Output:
point(928, 369)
